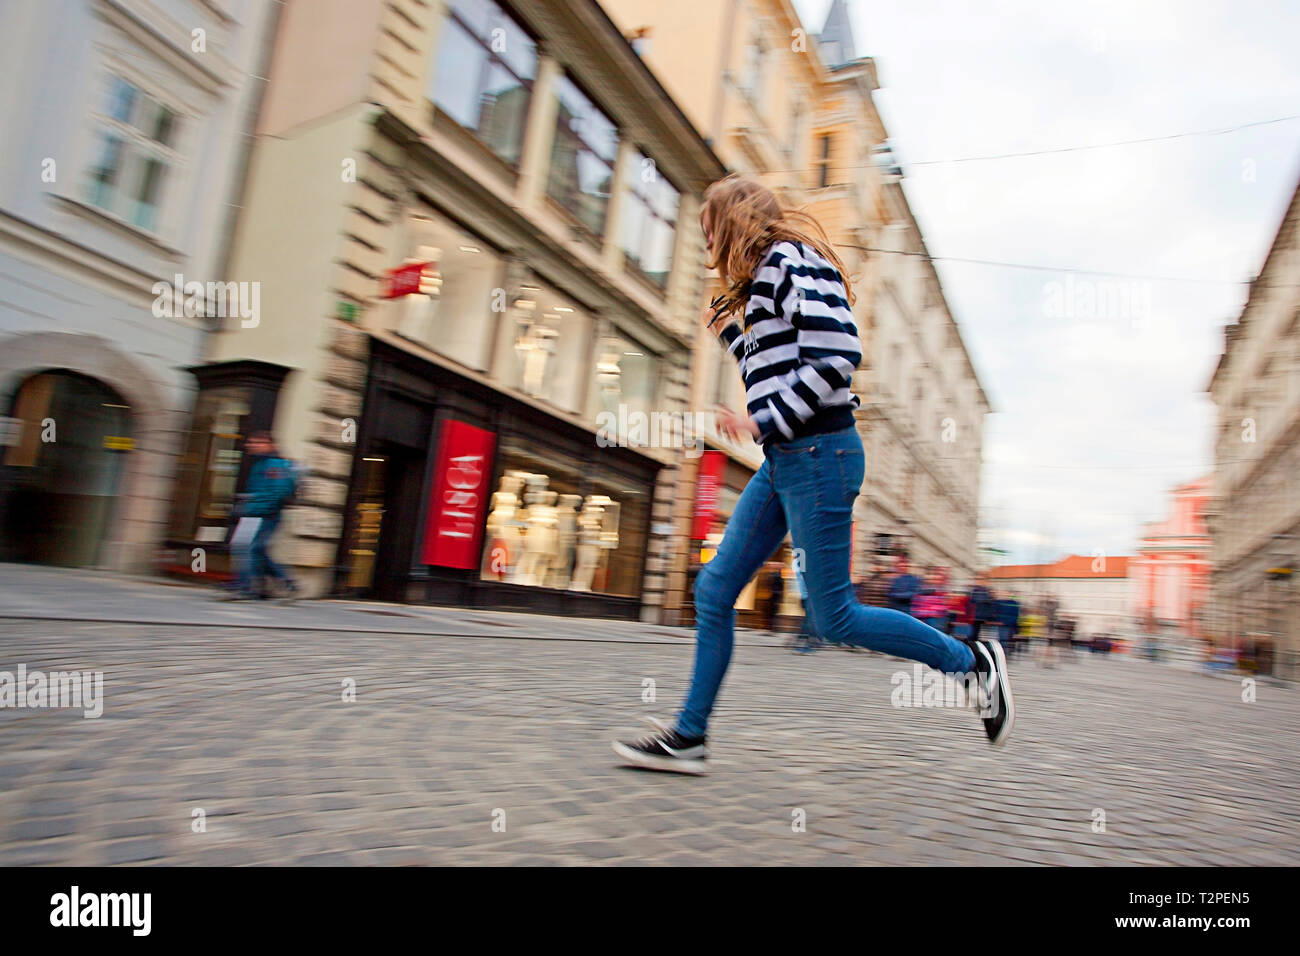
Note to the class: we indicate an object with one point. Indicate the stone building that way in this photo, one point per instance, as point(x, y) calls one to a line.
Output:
point(1254, 516)
point(794, 110)
point(475, 225)
point(124, 151)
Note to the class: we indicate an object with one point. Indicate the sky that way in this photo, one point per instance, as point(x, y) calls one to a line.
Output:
point(1098, 382)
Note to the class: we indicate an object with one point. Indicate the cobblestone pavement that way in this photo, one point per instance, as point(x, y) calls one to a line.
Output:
point(508, 718)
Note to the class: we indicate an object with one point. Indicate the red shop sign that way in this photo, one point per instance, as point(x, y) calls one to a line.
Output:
point(712, 465)
point(404, 280)
point(458, 496)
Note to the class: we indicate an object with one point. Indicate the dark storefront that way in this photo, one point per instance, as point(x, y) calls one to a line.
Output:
point(462, 495)
point(235, 399)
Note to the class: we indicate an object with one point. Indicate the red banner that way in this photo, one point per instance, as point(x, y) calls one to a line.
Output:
point(712, 466)
point(458, 496)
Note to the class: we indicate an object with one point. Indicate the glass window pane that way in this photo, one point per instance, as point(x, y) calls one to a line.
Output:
point(635, 217)
point(121, 99)
point(105, 171)
point(456, 318)
point(461, 62)
point(164, 126)
point(147, 191)
point(504, 109)
point(516, 48)
point(543, 347)
point(477, 14)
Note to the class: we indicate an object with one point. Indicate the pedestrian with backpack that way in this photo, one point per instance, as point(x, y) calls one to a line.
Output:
point(272, 485)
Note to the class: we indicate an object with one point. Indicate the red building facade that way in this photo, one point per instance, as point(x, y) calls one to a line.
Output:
point(1172, 571)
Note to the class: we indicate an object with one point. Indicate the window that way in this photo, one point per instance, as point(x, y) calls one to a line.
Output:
point(752, 75)
point(455, 318)
point(484, 74)
point(582, 156)
point(542, 351)
point(798, 112)
point(824, 160)
point(626, 374)
point(209, 468)
point(650, 221)
point(134, 152)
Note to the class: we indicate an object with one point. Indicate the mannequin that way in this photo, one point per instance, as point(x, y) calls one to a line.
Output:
point(540, 538)
point(593, 536)
point(566, 532)
point(501, 556)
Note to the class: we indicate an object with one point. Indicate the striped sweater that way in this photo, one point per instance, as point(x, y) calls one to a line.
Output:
point(798, 348)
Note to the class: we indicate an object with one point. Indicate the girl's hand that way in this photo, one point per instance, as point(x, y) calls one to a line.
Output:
point(733, 425)
point(707, 319)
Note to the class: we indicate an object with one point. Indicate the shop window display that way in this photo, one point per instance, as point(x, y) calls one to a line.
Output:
point(452, 312)
point(626, 374)
point(545, 346)
point(560, 529)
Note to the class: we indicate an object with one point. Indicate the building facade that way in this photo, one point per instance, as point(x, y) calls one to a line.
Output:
point(1171, 571)
point(1098, 593)
point(475, 224)
point(794, 110)
point(125, 145)
point(1255, 513)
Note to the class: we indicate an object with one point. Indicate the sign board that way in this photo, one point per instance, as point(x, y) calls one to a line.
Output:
point(458, 494)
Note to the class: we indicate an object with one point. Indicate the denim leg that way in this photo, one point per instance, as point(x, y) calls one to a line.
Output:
point(754, 531)
point(266, 567)
point(817, 479)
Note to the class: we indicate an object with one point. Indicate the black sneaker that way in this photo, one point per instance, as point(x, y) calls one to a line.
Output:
point(997, 709)
point(666, 750)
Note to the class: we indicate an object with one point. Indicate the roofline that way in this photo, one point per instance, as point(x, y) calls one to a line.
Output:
point(1289, 215)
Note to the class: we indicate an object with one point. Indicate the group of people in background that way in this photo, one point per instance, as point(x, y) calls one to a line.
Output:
point(965, 614)
point(930, 596)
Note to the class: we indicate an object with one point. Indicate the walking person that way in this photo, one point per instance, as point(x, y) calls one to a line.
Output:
point(1008, 623)
point(797, 346)
point(875, 589)
point(272, 484)
point(904, 588)
point(982, 609)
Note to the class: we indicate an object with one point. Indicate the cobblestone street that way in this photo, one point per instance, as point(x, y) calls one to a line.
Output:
point(463, 718)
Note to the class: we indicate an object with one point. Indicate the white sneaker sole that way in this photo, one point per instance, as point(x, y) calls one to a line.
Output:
point(1004, 692)
point(650, 762)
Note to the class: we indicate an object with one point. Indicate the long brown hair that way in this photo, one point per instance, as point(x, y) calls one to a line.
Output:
point(747, 219)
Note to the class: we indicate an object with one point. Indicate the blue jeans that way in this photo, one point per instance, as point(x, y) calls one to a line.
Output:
point(806, 487)
point(254, 561)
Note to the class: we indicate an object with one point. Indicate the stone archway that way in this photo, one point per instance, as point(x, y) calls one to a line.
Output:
point(138, 522)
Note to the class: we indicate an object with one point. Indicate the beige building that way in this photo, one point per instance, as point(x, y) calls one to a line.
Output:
point(794, 110)
point(1254, 516)
point(475, 225)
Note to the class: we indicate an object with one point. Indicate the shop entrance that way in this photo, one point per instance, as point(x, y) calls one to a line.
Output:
point(383, 536)
point(66, 470)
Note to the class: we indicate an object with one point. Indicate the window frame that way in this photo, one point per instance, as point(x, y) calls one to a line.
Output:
point(492, 57)
point(633, 194)
point(562, 129)
point(137, 149)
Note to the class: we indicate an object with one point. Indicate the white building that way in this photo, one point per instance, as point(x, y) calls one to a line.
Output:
point(1096, 592)
point(124, 156)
